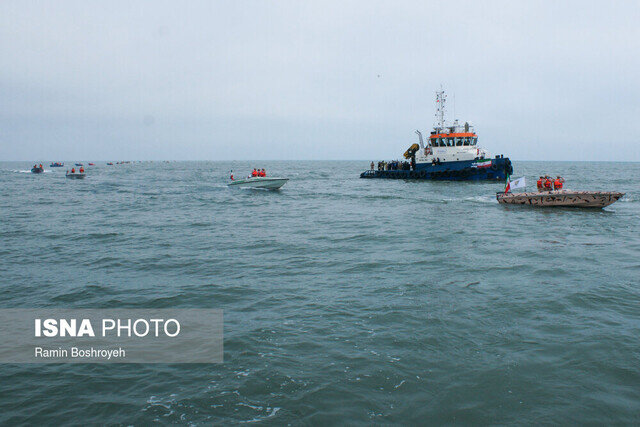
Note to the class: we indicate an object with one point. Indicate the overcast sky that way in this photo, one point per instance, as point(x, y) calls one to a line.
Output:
point(214, 80)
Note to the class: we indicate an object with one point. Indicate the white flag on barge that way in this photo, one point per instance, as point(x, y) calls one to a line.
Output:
point(516, 183)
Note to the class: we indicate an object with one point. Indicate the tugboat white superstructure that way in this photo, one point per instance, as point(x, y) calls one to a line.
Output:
point(451, 153)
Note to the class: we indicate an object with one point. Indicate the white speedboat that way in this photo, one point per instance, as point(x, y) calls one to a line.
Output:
point(266, 182)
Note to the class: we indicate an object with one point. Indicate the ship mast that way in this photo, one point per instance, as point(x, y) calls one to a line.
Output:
point(441, 99)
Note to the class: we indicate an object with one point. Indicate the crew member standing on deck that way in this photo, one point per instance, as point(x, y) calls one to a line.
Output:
point(254, 173)
point(540, 187)
point(557, 184)
point(548, 185)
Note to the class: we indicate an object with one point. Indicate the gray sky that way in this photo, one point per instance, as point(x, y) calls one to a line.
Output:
point(543, 80)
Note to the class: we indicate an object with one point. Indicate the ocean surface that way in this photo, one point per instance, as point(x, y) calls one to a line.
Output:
point(346, 301)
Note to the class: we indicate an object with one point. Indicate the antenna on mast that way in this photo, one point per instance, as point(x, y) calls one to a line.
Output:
point(441, 99)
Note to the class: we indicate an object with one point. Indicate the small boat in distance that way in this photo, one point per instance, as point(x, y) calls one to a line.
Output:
point(267, 183)
point(79, 164)
point(37, 169)
point(92, 164)
point(110, 163)
point(561, 198)
point(75, 175)
point(56, 165)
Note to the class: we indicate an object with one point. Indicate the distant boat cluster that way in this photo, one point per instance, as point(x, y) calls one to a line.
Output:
point(73, 173)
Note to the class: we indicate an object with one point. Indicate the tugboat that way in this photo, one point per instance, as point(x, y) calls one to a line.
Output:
point(451, 153)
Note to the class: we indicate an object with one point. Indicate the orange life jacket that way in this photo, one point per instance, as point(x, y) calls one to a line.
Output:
point(73, 170)
point(547, 183)
point(540, 183)
point(254, 173)
point(557, 184)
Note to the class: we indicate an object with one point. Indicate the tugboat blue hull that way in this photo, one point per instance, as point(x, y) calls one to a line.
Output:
point(468, 170)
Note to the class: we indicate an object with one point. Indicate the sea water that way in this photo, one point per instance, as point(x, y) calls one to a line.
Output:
point(345, 300)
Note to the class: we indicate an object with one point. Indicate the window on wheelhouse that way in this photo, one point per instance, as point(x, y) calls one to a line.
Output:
point(450, 142)
point(466, 140)
point(474, 141)
point(459, 142)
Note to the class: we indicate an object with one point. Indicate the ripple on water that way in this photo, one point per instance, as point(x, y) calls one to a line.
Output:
point(344, 299)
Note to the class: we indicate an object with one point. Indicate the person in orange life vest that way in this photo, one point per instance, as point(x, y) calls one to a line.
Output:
point(73, 170)
point(81, 169)
point(254, 173)
point(262, 173)
point(540, 187)
point(41, 166)
point(548, 185)
point(557, 184)
point(232, 176)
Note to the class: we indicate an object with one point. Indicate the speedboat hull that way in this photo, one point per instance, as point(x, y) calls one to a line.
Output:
point(561, 198)
point(266, 183)
point(37, 170)
point(75, 175)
